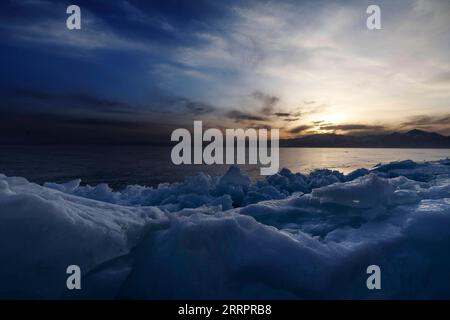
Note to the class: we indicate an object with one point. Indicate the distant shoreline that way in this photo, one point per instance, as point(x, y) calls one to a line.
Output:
point(354, 147)
point(170, 146)
point(413, 139)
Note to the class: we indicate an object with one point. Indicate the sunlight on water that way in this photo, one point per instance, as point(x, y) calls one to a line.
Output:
point(349, 159)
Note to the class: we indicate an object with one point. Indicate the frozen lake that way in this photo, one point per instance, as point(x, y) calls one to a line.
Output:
point(145, 165)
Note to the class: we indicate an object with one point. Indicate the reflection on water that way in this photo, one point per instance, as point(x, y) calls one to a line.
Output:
point(349, 159)
point(123, 165)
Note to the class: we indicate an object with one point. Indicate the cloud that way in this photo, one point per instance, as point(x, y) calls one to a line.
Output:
point(36, 101)
point(318, 48)
point(136, 14)
point(268, 101)
point(300, 129)
point(319, 57)
point(69, 129)
point(115, 123)
point(53, 32)
point(47, 28)
point(282, 114)
point(243, 116)
point(352, 127)
point(197, 107)
point(79, 106)
point(437, 123)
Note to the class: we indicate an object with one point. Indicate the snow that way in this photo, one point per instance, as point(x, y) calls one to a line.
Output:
point(288, 236)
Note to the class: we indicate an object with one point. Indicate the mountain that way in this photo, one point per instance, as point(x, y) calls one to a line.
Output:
point(411, 139)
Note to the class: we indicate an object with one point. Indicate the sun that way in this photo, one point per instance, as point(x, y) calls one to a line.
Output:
point(331, 118)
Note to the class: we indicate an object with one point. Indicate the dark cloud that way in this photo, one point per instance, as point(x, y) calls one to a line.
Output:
point(60, 129)
point(18, 99)
point(439, 123)
point(424, 120)
point(259, 126)
point(289, 116)
point(282, 114)
point(300, 129)
point(270, 109)
point(82, 121)
point(302, 111)
point(243, 116)
point(46, 102)
point(268, 101)
point(198, 108)
point(48, 117)
point(353, 127)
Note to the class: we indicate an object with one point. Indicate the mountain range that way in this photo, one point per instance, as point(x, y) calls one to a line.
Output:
point(411, 139)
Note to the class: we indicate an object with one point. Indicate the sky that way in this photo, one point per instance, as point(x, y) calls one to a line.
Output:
point(139, 69)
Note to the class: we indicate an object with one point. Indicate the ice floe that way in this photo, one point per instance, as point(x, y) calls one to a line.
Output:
point(288, 236)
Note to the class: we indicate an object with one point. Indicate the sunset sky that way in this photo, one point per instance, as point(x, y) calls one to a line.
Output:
point(137, 69)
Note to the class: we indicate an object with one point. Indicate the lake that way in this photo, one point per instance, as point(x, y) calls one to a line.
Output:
point(148, 165)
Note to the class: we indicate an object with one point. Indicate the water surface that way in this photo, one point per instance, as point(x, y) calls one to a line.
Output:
point(123, 165)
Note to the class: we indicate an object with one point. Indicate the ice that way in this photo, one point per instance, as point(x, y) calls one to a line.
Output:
point(289, 235)
point(365, 192)
point(43, 231)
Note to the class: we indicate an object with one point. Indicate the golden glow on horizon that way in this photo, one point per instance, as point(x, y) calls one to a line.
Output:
point(334, 71)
